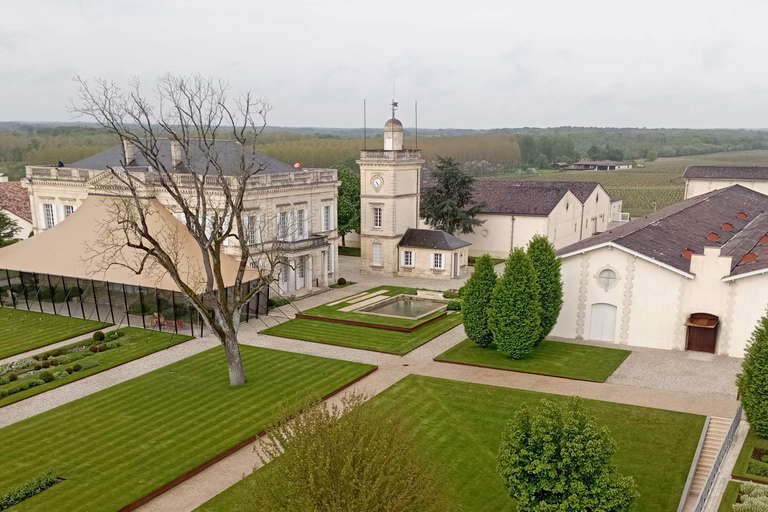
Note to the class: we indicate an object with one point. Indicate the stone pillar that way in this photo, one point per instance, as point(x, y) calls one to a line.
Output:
point(324, 267)
point(291, 276)
point(308, 272)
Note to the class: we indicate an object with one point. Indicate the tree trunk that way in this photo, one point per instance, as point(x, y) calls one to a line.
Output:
point(343, 242)
point(234, 362)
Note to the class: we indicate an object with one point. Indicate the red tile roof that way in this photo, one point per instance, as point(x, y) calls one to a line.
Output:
point(15, 199)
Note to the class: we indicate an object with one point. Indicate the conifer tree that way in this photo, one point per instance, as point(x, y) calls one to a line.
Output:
point(753, 379)
point(477, 300)
point(547, 266)
point(515, 312)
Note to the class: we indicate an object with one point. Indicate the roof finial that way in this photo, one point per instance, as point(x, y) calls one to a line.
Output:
point(394, 103)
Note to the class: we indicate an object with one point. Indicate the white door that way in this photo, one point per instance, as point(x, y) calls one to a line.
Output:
point(455, 265)
point(301, 263)
point(603, 322)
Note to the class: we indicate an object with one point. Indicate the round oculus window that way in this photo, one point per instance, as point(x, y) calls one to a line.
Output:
point(606, 278)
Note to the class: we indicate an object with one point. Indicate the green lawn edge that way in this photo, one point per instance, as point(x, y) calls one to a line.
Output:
point(460, 424)
point(364, 338)
point(553, 358)
point(349, 251)
point(175, 339)
point(78, 327)
point(119, 444)
point(729, 496)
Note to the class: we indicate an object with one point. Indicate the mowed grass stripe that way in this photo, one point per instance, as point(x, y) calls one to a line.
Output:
point(556, 358)
point(363, 337)
point(119, 444)
point(21, 330)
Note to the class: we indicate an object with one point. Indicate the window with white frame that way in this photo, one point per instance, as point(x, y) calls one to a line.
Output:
point(284, 269)
point(327, 218)
point(252, 230)
point(407, 258)
point(300, 232)
point(50, 220)
point(377, 217)
point(300, 267)
point(329, 261)
point(437, 261)
point(282, 226)
point(68, 210)
point(377, 254)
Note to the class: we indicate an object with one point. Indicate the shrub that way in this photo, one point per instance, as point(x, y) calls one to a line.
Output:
point(556, 457)
point(12, 377)
point(450, 295)
point(757, 468)
point(46, 364)
point(477, 300)
point(753, 497)
point(98, 336)
point(28, 489)
point(46, 376)
point(341, 281)
point(61, 375)
point(77, 367)
point(276, 303)
point(753, 386)
point(38, 367)
point(55, 362)
point(514, 316)
point(60, 296)
point(69, 371)
point(102, 347)
point(44, 293)
point(93, 348)
point(118, 333)
point(547, 266)
point(21, 386)
point(454, 305)
point(89, 364)
point(113, 344)
point(45, 356)
point(352, 454)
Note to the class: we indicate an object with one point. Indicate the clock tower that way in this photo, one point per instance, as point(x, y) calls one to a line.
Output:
point(389, 199)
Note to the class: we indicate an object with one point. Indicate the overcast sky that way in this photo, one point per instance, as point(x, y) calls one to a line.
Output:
point(470, 64)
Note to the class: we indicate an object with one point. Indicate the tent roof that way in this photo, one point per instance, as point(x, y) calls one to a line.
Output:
point(73, 248)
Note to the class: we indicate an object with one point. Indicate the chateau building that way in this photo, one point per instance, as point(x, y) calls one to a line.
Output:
point(700, 179)
point(290, 205)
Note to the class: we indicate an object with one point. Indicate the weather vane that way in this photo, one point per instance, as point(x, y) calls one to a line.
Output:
point(394, 107)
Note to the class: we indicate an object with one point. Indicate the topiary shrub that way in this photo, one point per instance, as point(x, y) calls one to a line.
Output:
point(77, 367)
point(89, 364)
point(515, 310)
point(46, 364)
point(38, 367)
point(98, 336)
point(450, 295)
point(102, 347)
point(547, 266)
point(93, 348)
point(341, 281)
point(276, 303)
point(55, 362)
point(69, 371)
point(477, 295)
point(454, 305)
point(46, 376)
point(12, 377)
point(753, 386)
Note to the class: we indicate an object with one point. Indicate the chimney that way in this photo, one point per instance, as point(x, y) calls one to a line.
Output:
point(175, 153)
point(129, 151)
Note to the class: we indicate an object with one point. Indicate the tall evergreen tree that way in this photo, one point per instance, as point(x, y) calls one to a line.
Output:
point(8, 229)
point(448, 204)
point(556, 459)
point(348, 203)
point(547, 266)
point(515, 312)
point(753, 379)
point(477, 300)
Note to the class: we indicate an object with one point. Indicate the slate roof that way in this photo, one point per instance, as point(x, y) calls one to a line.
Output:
point(431, 239)
point(664, 235)
point(536, 198)
point(15, 199)
point(229, 153)
point(713, 172)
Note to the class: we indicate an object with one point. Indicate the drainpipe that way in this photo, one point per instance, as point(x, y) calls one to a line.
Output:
point(581, 223)
point(512, 235)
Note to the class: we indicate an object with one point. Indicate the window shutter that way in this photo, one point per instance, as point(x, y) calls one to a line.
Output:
point(432, 261)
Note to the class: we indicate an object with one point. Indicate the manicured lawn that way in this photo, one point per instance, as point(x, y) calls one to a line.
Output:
point(729, 497)
point(460, 425)
point(495, 261)
point(22, 330)
point(121, 443)
point(135, 344)
point(328, 311)
point(555, 358)
point(741, 468)
point(349, 251)
point(369, 338)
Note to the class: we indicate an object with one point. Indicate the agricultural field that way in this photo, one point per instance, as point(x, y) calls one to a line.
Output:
point(655, 185)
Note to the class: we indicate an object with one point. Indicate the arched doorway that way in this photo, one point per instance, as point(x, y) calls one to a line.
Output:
point(702, 332)
point(603, 323)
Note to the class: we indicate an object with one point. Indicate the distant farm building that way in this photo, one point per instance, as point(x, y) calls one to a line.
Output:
point(598, 165)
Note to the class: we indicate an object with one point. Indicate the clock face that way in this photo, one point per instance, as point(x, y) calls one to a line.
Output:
point(377, 182)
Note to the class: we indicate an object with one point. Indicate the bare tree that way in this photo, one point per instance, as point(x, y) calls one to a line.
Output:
point(206, 186)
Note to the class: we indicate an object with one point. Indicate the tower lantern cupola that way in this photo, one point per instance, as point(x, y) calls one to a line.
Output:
point(393, 135)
